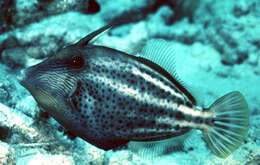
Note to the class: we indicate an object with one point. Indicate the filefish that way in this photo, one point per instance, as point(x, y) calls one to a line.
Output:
point(110, 98)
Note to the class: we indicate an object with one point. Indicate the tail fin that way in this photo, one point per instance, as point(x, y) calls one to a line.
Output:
point(230, 124)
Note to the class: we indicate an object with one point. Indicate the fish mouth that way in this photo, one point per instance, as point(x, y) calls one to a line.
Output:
point(43, 97)
point(26, 78)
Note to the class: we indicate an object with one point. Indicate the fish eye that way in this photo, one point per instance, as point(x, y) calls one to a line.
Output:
point(77, 61)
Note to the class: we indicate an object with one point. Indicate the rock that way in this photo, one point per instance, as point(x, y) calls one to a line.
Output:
point(15, 57)
point(20, 13)
point(6, 154)
point(47, 159)
point(124, 158)
point(17, 123)
point(228, 34)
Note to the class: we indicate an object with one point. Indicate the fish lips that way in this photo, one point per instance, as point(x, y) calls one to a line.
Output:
point(27, 79)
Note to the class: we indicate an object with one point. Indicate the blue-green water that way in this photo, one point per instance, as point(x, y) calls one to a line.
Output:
point(216, 51)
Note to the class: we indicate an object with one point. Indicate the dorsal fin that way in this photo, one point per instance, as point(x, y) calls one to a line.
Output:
point(159, 55)
point(90, 38)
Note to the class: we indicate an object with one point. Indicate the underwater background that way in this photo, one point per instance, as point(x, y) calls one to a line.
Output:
point(217, 49)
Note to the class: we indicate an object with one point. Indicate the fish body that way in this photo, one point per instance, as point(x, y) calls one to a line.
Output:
point(109, 98)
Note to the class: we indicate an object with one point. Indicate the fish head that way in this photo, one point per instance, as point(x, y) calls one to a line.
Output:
point(52, 81)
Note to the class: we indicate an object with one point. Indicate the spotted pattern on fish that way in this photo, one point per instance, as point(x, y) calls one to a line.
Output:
point(122, 98)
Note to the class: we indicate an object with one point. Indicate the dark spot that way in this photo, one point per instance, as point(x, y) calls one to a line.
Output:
point(70, 135)
point(74, 101)
point(5, 133)
point(161, 111)
point(152, 134)
point(129, 124)
point(180, 101)
point(140, 124)
point(189, 104)
point(132, 81)
point(45, 115)
point(80, 96)
point(179, 115)
point(165, 126)
point(177, 127)
point(60, 129)
point(141, 109)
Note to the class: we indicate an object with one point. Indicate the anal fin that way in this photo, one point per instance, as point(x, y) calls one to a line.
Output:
point(153, 149)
